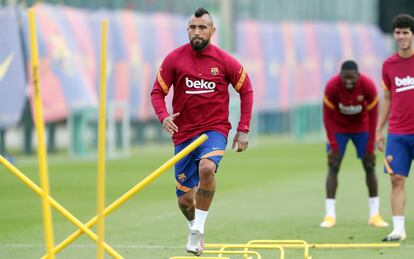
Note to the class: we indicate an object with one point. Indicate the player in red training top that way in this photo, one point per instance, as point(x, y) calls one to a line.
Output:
point(350, 112)
point(200, 74)
point(398, 106)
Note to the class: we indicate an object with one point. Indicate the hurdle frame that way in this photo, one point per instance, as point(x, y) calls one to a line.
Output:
point(244, 246)
point(137, 188)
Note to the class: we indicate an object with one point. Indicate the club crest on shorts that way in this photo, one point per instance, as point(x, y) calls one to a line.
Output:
point(181, 177)
point(214, 71)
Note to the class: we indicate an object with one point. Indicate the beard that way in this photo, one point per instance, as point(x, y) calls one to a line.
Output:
point(198, 44)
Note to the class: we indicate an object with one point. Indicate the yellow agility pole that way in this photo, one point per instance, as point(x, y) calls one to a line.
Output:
point(29, 183)
point(141, 185)
point(101, 144)
point(41, 149)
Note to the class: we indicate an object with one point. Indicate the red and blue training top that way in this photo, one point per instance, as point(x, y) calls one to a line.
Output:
point(350, 111)
point(200, 82)
point(398, 77)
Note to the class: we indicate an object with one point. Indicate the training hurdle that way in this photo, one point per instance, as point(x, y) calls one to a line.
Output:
point(298, 244)
point(306, 245)
point(85, 227)
point(362, 245)
point(280, 245)
point(223, 247)
point(138, 187)
point(29, 183)
point(221, 252)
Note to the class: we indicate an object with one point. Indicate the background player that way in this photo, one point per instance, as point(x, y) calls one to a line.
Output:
point(350, 112)
point(200, 73)
point(398, 106)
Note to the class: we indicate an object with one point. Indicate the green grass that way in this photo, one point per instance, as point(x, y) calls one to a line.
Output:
point(275, 190)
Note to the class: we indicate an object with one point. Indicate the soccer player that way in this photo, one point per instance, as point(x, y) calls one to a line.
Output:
point(398, 106)
point(200, 73)
point(350, 112)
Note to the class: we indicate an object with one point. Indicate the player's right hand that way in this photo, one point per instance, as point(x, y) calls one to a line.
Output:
point(379, 140)
point(169, 125)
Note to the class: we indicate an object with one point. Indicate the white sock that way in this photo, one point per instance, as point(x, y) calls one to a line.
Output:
point(398, 222)
point(330, 207)
point(373, 206)
point(190, 224)
point(199, 220)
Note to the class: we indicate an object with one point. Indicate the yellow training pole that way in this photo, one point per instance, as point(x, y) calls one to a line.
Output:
point(141, 185)
point(29, 183)
point(41, 150)
point(101, 144)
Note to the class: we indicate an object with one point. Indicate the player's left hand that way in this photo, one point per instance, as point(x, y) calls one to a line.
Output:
point(241, 140)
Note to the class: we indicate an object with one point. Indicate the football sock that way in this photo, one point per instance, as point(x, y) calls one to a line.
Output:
point(373, 206)
point(190, 223)
point(398, 222)
point(330, 207)
point(199, 220)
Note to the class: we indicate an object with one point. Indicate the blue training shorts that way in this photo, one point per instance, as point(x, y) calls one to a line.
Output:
point(399, 153)
point(360, 141)
point(186, 170)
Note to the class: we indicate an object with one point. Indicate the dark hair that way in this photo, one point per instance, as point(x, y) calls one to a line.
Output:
point(403, 21)
point(200, 12)
point(349, 65)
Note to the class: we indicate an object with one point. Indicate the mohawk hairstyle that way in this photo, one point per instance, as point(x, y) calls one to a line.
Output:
point(403, 21)
point(200, 12)
point(349, 65)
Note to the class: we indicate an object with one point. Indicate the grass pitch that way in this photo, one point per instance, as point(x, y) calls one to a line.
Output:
point(274, 190)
